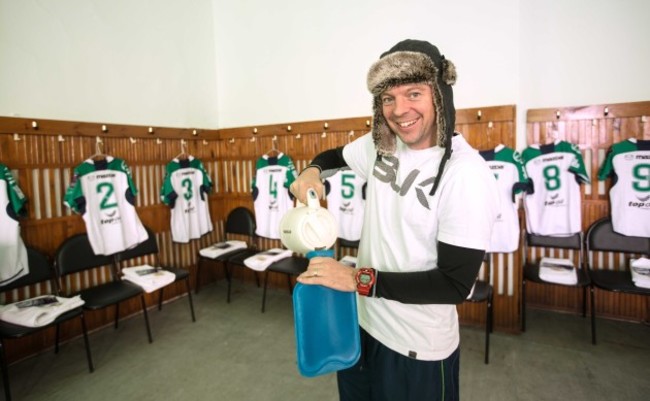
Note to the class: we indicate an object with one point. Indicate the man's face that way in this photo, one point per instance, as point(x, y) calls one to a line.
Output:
point(409, 111)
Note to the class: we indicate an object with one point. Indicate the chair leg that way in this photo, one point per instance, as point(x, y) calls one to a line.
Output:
point(488, 328)
point(56, 338)
point(146, 318)
point(584, 301)
point(189, 297)
point(229, 279)
point(5, 371)
point(198, 276)
point(593, 316)
point(257, 279)
point(266, 280)
point(117, 313)
point(160, 299)
point(289, 283)
point(89, 357)
point(523, 305)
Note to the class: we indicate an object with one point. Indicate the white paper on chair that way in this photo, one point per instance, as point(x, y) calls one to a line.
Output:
point(148, 277)
point(220, 248)
point(560, 271)
point(640, 269)
point(262, 260)
point(37, 316)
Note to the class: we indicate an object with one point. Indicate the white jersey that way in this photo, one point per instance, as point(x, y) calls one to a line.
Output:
point(103, 193)
point(185, 189)
point(556, 171)
point(403, 224)
point(628, 163)
point(507, 167)
point(273, 175)
point(345, 200)
point(13, 254)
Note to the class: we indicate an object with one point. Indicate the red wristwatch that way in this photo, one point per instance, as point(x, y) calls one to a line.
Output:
point(365, 279)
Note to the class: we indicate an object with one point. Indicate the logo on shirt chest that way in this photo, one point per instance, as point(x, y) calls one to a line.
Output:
point(385, 170)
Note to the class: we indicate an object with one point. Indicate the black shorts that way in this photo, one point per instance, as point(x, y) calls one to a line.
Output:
point(382, 374)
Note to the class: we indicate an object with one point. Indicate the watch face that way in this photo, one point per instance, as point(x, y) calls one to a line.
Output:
point(365, 279)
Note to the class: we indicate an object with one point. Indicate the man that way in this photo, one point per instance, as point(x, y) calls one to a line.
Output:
point(430, 206)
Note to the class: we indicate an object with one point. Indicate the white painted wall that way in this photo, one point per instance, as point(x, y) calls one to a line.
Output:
point(224, 63)
point(293, 60)
point(149, 62)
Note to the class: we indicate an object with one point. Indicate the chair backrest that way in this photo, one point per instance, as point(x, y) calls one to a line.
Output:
point(76, 254)
point(344, 243)
point(602, 237)
point(574, 242)
point(40, 270)
point(148, 247)
point(241, 221)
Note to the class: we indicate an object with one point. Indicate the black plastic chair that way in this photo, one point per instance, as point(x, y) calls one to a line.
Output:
point(531, 268)
point(40, 271)
point(602, 238)
point(484, 292)
point(150, 248)
point(76, 255)
point(240, 221)
point(291, 267)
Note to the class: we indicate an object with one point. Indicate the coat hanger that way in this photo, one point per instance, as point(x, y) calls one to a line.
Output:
point(99, 153)
point(274, 150)
point(183, 155)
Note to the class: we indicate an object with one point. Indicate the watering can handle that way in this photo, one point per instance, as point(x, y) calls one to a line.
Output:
point(312, 199)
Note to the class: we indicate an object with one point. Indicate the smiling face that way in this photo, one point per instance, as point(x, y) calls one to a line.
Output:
point(410, 114)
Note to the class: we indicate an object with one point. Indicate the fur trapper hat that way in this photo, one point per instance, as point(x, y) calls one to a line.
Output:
point(414, 61)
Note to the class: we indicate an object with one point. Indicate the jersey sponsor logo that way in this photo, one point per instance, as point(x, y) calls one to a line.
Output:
point(643, 202)
point(496, 167)
point(554, 200)
point(188, 173)
point(346, 208)
point(552, 158)
point(108, 175)
point(385, 170)
point(113, 220)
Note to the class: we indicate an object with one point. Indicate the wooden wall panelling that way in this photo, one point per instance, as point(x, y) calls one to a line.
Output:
point(594, 129)
point(485, 128)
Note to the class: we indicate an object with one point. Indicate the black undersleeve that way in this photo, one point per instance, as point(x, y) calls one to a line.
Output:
point(450, 283)
point(331, 159)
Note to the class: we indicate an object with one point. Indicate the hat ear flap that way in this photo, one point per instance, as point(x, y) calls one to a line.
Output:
point(448, 72)
point(382, 135)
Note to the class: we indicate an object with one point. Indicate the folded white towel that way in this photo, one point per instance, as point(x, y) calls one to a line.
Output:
point(349, 260)
point(640, 269)
point(218, 249)
point(37, 316)
point(559, 271)
point(262, 260)
point(148, 277)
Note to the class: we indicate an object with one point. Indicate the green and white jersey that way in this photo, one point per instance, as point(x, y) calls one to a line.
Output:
point(628, 163)
point(556, 171)
point(507, 167)
point(103, 193)
point(345, 201)
point(13, 254)
point(270, 186)
point(185, 189)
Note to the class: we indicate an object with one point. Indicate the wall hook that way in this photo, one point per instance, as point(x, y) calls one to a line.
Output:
point(17, 137)
point(288, 128)
point(557, 114)
point(479, 115)
point(367, 123)
point(34, 125)
point(60, 138)
point(133, 140)
point(150, 130)
point(231, 140)
point(195, 132)
point(158, 141)
point(606, 111)
point(104, 129)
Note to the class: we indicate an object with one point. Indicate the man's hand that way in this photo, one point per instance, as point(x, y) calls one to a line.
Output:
point(329, 273)
point(309, 178)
